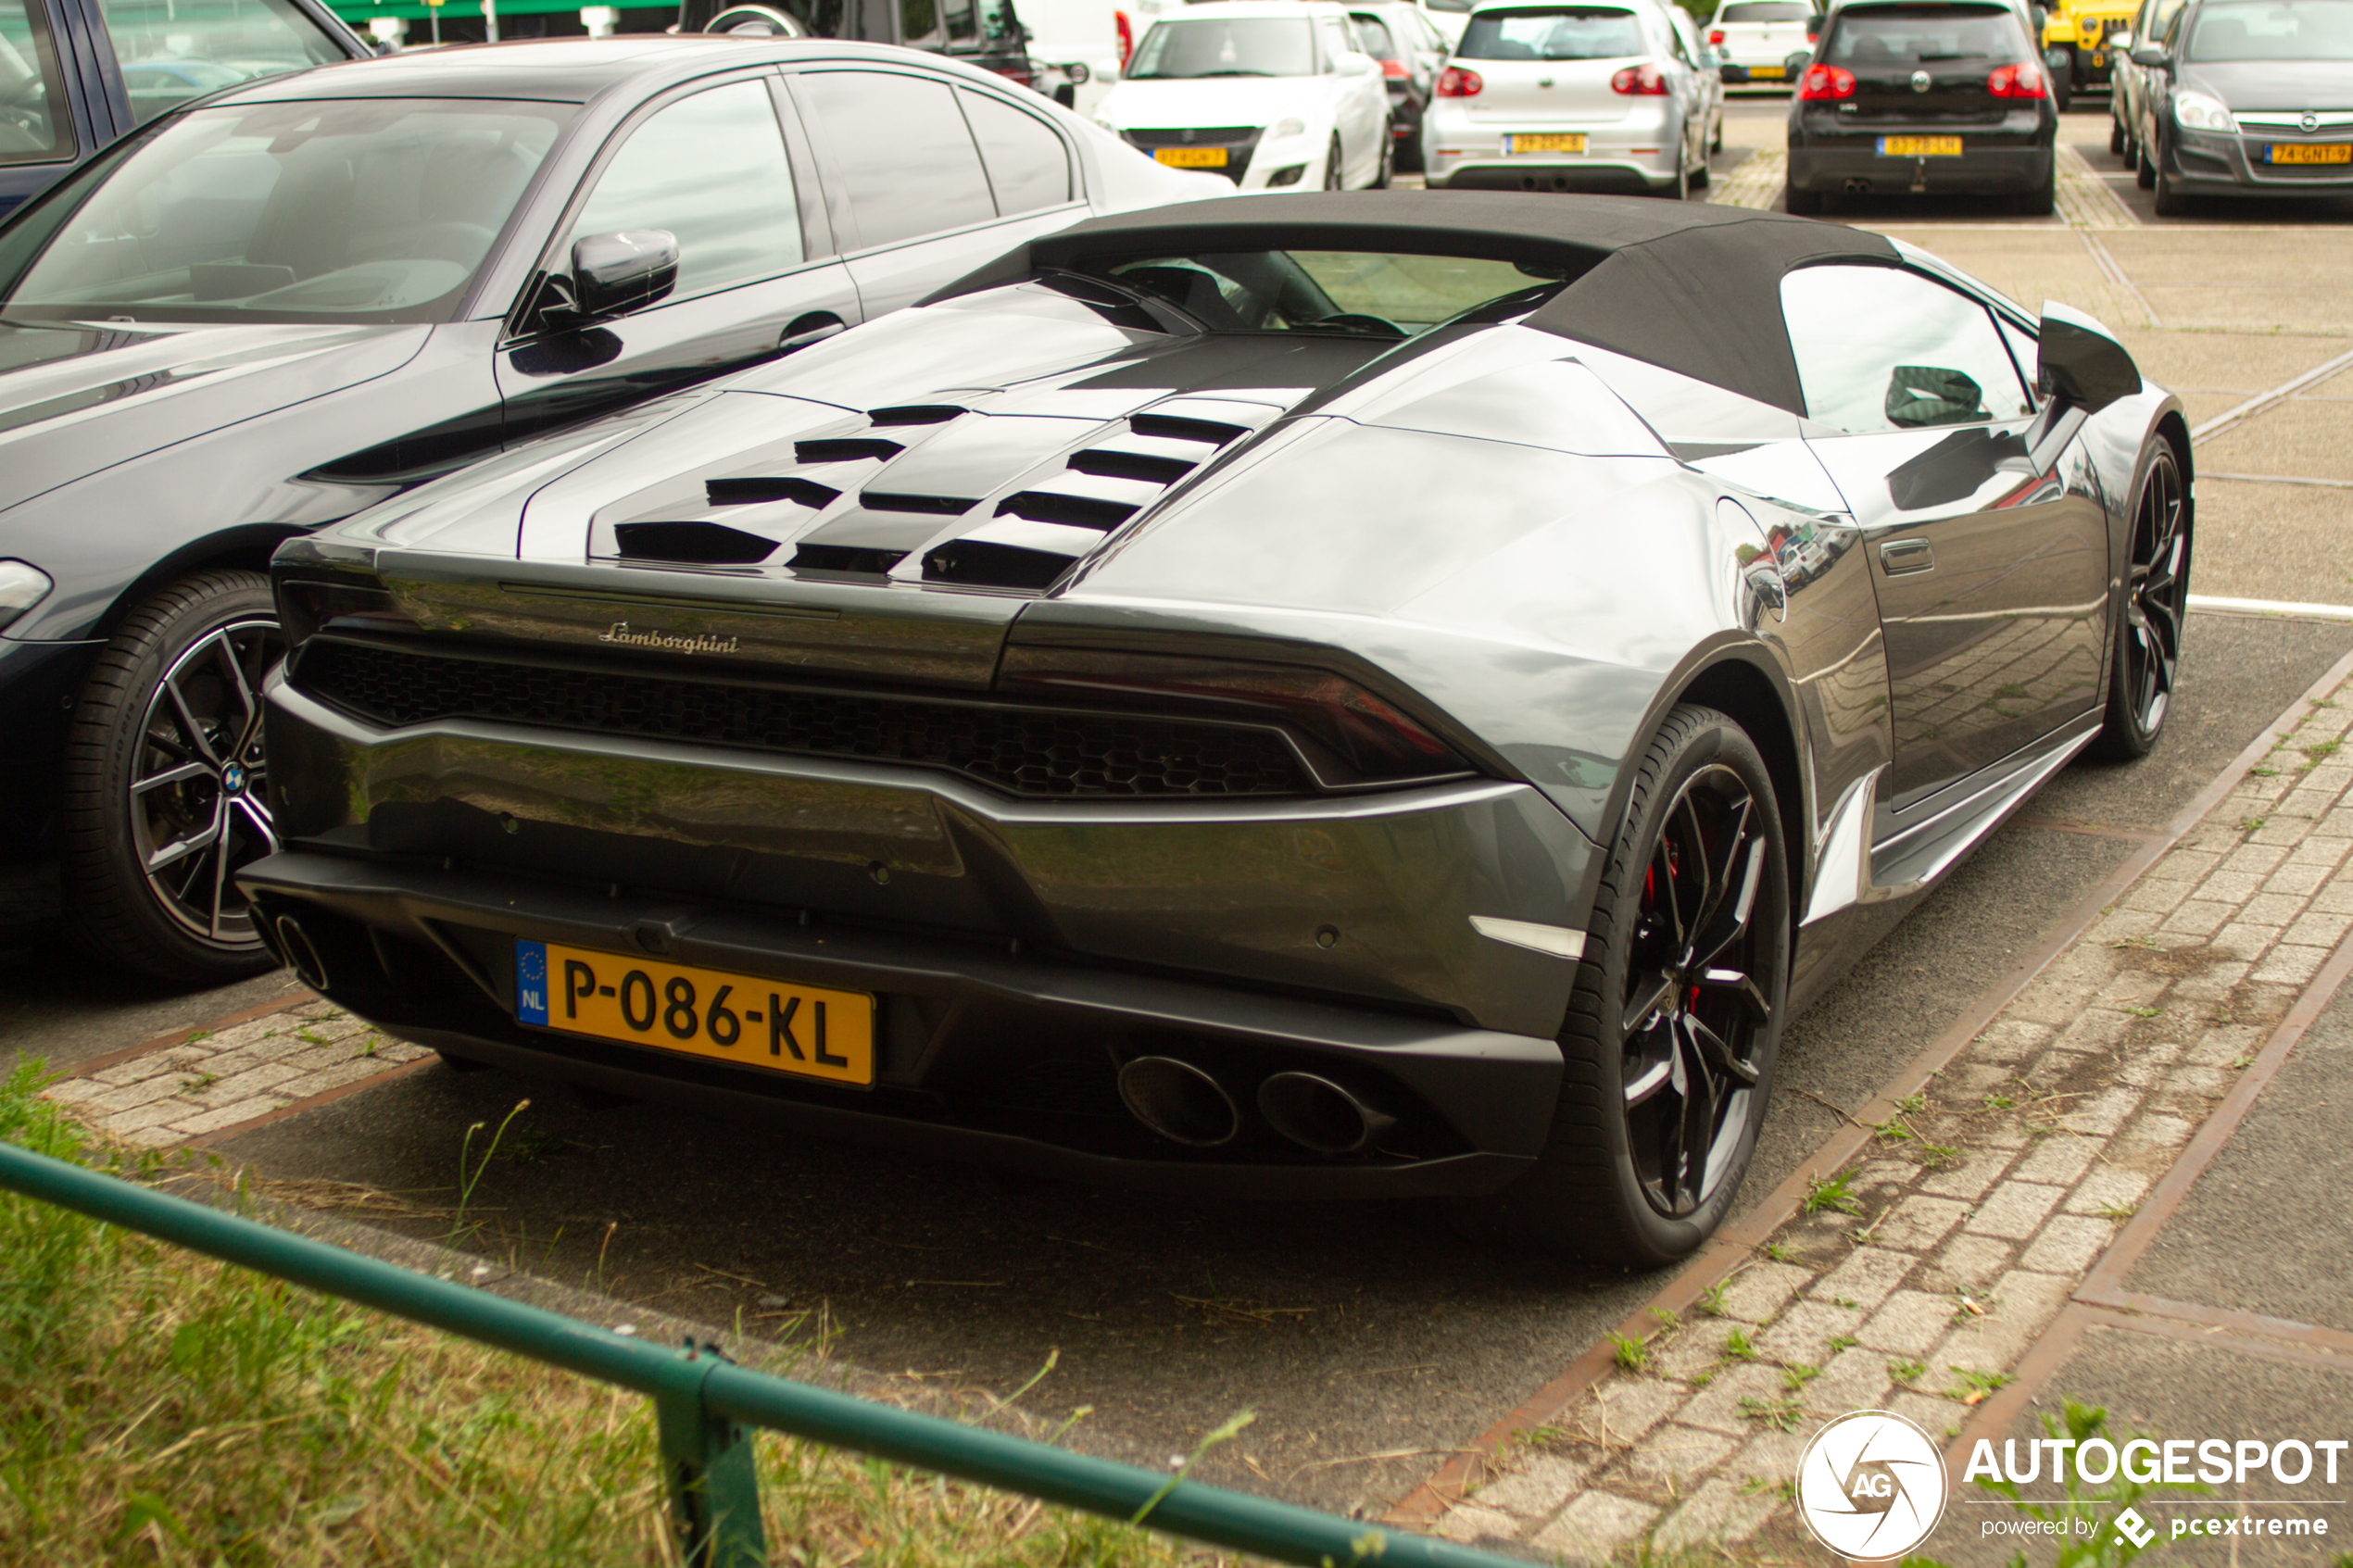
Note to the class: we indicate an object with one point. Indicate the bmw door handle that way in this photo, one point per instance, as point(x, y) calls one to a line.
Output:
point(1902, 558)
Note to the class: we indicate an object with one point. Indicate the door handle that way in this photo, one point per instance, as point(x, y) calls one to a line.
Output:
point(815, 327)
point(1901, 557)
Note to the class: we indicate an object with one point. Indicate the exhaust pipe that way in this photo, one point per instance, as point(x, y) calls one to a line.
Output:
point(299, 952)
point(1858, 187)
point(1178, 1101)
point(1317, 1114)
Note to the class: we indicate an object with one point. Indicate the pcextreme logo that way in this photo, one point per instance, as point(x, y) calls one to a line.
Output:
point(1870, 1486)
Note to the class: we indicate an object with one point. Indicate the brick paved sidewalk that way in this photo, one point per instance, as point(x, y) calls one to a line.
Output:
point(1917, 1278)
point(167, 1093)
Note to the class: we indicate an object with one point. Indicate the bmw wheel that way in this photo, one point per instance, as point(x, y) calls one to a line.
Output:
point(165, 783)
point(1675, 1022)
point(2148, 642)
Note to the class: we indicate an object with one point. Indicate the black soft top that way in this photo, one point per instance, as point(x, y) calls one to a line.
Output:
point(1692, 288)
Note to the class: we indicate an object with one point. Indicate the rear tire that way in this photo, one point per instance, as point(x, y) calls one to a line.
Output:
point(2149, 635)
point(2115, 134)
point(1675, 1021)
point(166, 785)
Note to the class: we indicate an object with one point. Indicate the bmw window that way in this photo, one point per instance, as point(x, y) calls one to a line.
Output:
point(711, 170)
point(903, 152)
point(364, 210)
point(1878, 348)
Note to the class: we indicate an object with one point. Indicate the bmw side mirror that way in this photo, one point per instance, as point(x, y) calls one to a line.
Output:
point(613, 274)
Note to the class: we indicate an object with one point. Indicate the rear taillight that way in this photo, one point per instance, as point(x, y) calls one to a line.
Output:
point(1827, 81)
point(1716, 36)
point(1127, 36)
point(1348, 735)
point(1395, 70)
point(1020, 73)
point(1456, 82)
point(1640, 81)
point(2024, 80)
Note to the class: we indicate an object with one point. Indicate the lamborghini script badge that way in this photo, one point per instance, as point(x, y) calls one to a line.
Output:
point(620, 632)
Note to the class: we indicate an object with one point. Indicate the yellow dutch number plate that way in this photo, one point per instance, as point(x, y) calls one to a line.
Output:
point(787, 1028)
point(1919, 146)
point(1191, 158)
point(1757, 72)
point(1546, 141)
point(2309, 152)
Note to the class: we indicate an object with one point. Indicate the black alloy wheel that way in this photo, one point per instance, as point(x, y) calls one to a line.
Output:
point(1675, 1022)
point(2148, 640)
point(1333, 179)
point(165, 783)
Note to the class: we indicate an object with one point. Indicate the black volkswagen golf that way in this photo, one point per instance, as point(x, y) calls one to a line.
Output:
point(1939, 98)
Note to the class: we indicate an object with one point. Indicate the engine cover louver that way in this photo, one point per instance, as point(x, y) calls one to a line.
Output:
point(1006, 499)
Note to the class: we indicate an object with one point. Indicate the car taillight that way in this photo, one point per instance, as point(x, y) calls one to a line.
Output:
point(1020, 73)
point(1348, 735)
point(1716, 35)
point(1395, 70)
point(2022, 81)
point(1827, 81)
point(1456, 82)
point(1127, 36)
point(1640, 80)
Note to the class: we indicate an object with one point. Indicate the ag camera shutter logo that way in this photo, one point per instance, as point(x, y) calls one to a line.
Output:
point(1870, 1486)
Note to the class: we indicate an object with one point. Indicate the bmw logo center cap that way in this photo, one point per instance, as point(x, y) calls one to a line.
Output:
point(233, 777)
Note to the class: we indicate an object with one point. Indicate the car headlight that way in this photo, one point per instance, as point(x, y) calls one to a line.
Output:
point(22, 586)
point(2200, 112)
point(1290, 126)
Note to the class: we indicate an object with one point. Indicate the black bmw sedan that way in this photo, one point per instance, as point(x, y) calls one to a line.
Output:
point(296, 300)
point(1944, 96)
point(2248, 97)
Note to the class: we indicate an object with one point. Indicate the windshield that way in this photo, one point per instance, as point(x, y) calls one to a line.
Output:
point(368, 210)
point(1880, 37)
point(2291, 31)
point(1373, 294)
point(1552, 32)
point(1241, 46)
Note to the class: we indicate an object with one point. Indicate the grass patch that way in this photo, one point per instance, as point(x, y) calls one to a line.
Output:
point(1782, 1415)
point(1630, 1353)
point(158, 1408)
point(1828, 1195)
point(1737, 1347)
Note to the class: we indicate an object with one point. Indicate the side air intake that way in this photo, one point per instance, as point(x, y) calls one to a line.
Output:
point(697, 544)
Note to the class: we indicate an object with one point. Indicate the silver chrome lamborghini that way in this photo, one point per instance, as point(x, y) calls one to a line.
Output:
point(1337, 696)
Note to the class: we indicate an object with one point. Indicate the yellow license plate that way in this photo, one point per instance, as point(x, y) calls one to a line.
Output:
point(1191, 158)
point(775, 1025)
point(1545, 142)
point(1919, 146)
point(2309, 152)
point(1776, 72)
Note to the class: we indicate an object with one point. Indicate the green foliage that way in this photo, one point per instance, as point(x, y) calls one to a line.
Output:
point(1782, 1415)
point(1829, 1194)
point(1631, 1354)
point(1711, 1301)
point(1737, 1348)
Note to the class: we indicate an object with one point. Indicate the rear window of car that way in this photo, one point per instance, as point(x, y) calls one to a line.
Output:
point(1764, 11)
point(1552, 32)
point(2297, 31)
point(1885, 35)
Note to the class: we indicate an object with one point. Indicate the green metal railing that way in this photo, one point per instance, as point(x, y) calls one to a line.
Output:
point(705, 1405)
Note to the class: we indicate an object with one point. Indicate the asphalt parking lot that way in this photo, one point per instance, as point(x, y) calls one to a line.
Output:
point(1372, 1341)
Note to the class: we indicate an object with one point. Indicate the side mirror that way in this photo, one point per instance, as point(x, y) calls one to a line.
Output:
point(2148, 55)
point(622, 271)
point(2079, 363)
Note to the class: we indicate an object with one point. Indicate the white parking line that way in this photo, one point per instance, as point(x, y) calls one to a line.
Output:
point(2271, 607)
point(2263, 400)
point(2281, 479)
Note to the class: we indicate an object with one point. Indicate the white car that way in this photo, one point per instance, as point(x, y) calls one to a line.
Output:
point(1274, 94)
point(1599, 96)
point(1450, 17)
point(1709, 77)
point(1762, 43)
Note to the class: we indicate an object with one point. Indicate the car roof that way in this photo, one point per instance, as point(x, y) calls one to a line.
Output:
point(1249, 8)
point(1691, 287)
point(558, 70)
